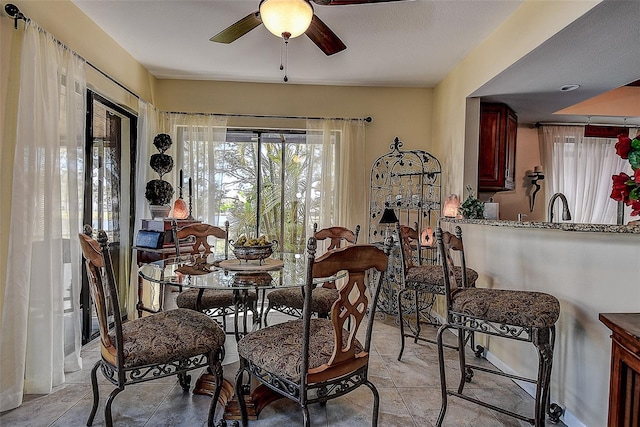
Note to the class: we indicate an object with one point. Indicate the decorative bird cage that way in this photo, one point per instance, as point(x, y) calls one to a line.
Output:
point(409, 183)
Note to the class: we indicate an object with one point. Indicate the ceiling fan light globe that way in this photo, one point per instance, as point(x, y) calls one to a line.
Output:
point(286, 16)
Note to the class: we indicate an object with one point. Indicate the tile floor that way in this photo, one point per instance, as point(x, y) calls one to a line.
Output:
point(409, 395)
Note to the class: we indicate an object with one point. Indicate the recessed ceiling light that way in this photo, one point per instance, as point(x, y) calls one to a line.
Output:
point(568, 88)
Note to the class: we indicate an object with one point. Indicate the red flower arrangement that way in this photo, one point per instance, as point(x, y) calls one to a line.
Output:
point(627, 188)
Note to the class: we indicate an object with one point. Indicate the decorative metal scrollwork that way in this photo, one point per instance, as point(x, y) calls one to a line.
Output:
point(474, 324)
point(409, 182)
point(142, 373)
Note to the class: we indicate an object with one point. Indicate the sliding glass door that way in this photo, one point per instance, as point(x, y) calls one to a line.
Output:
point(262, 181)
point(108, 203)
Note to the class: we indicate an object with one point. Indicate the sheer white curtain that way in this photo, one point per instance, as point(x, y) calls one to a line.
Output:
point(196, 142)
point(342, 196)
point(581, 169)
point(149, 124)
point(41, 303)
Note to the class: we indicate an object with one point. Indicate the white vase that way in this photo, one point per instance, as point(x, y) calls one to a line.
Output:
point(159, 211)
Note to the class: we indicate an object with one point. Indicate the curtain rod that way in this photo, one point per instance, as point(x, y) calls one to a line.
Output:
point(538, 124)
point(14, 12)
point(367, 119)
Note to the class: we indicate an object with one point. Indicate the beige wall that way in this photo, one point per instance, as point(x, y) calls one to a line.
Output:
point(72, 27)
point(502, 48)
point(401, 112)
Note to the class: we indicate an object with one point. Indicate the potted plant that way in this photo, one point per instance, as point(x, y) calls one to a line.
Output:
point(472, 208)
point(159, 192)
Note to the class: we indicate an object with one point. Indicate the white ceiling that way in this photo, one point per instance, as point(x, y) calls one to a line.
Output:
point(405, 43)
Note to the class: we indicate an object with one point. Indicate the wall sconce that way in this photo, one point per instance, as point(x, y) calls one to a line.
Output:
point(535, 176)
point(451, 206)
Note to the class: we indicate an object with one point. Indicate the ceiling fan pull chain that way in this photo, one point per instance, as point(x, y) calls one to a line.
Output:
point(281, 56)
point(286, 59)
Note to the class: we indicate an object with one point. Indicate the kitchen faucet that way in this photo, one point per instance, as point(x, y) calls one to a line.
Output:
point(566, 215)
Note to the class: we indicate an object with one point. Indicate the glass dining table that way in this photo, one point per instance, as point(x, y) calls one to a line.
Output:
point(210, 271)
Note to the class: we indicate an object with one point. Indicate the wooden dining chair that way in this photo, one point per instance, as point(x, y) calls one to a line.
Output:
point(290, 300)
point(216, 303)
point(168, 343)
point(420, 279)
point(314, 360)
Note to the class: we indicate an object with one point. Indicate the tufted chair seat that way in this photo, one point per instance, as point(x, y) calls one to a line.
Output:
point(277, 348)
point(527, 309)
point(321, 299)
point(170, 335)
point(211, 299)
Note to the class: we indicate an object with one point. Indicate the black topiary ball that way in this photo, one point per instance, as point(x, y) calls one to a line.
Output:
point(162, 141)
point(161, 163)
point(159, 192)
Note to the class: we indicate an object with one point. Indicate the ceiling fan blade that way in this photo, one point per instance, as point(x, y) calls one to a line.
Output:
point(238, 29)
point(323, 37)
point(343, 2)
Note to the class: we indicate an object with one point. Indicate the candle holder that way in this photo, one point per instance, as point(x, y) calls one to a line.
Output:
point(190, 199)
point(180, 206)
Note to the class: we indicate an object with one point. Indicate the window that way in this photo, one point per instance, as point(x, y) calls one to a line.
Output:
point(581, 169)
point(267, 182)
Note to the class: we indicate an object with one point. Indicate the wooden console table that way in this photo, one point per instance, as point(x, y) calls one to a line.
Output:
point(624, 389)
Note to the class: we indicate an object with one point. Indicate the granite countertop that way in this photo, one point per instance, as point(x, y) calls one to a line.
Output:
point(563, 226)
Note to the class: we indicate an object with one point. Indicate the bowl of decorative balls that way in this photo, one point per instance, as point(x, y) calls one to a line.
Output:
point(249, 249)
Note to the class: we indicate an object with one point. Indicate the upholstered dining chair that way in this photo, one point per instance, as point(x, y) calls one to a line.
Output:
point(290, 300)
point(216, 303)
point(314, 360)
point(168, 343)
point(511, 314)
point(419, 278)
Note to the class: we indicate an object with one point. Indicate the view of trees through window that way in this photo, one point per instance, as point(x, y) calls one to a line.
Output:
point(261, 181)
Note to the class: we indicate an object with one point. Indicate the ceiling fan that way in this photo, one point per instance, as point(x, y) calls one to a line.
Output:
point(299, 14)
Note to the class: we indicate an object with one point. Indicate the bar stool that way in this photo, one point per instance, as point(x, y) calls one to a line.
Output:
point(518, 315)
point(419, 278)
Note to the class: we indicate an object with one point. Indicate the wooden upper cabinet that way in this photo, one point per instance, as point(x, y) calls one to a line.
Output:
point(497, 149)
